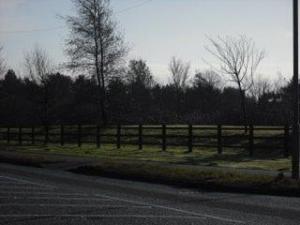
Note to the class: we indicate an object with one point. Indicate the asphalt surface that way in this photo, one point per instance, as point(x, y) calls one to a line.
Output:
point(42, 196)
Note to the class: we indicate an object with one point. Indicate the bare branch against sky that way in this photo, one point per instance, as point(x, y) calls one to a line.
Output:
point(239, 59)
point(2, 62)
point(38, 65)
point(95, 44)
point(157, 29)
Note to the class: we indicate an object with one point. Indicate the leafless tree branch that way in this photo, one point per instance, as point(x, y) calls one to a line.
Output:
point(239, 59)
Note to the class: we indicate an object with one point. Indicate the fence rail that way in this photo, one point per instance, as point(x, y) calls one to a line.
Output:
point(189, 136)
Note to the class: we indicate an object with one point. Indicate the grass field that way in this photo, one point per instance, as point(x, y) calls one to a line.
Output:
point(264, 158)
point(234, 158)
point(176, 135)
point(171, 168)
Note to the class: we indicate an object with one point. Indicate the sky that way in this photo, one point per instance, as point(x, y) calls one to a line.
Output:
point(156, 30)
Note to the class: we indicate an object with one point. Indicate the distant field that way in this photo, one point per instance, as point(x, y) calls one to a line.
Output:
point(237, 156)
point(230, 158)
point(152, 134)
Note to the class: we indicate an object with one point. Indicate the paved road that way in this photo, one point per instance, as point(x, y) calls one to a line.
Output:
point(39, 196)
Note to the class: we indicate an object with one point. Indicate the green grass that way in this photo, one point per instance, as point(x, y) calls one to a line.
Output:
point(174, 166)
point(211, 179)
point(234, 158)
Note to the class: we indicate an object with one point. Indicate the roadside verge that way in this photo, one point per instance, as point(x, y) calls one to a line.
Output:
point(208, 178)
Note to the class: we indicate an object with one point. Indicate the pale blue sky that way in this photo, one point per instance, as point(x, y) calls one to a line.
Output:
point(158, 29)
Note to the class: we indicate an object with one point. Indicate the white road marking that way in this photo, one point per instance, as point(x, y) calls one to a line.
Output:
point(3, 185)
point(176, 210)
point(43, 193)
point(26, 181)
point(193, 215)
point(101, 216)
point(26, 189)
point(8, 182)
point(57, 198)
point(77, 205)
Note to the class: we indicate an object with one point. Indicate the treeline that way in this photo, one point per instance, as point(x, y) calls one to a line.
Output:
point(134, 97)
point(109, 92)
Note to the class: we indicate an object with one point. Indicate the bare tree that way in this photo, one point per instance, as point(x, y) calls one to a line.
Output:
point(179, 73)
point(2, 62)
point(279, 82)
point(209, 78)
point(38, 68)
point(179, 78)
point(95, 45)
point(37, 64)
point(239, 59)
point(260, 87)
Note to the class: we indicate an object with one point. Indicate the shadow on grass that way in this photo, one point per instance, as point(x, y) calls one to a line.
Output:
point(239, 158)
point(232, 157)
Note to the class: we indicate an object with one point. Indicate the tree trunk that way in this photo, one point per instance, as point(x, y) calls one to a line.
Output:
point(103, 106)
point(177, 105)
point(102, 115)
point(46, 105)
point(99, 97)
point(103, 102)
point(100, 74)
point(243, 108)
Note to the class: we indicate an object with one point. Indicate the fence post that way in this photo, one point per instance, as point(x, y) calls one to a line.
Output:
point(20, 135)
point(8, 135)
point(98, 136)
point(251, 140)
point(286, 140)
point(62, 135)
point(32, 135)
point(190, 142)
point(46, 134)
point(79, 135)
point(220, 144)
point(119, 136)
point(140, 137)
point(164, 146)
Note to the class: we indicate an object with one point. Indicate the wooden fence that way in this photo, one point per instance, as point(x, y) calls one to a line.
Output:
point(189, 136)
